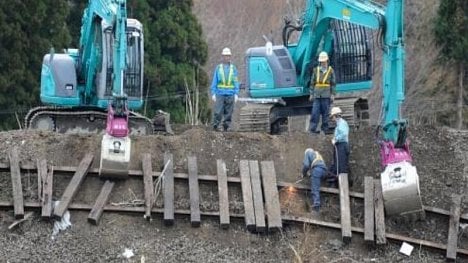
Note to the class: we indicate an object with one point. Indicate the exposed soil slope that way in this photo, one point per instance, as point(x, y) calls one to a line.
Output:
point(439, 154)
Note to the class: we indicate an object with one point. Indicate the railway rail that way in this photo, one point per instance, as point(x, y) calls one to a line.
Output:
point(262, 198)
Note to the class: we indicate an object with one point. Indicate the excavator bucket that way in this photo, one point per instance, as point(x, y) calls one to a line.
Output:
point(161, 122)
point(400, 190)
point(115, 157)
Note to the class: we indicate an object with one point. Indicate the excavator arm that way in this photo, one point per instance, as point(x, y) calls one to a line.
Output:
point(400, 182)
point(315, 28)
point(328, 25)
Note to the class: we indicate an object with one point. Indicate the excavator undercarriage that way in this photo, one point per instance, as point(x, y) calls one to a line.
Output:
point(275, 118)
point(79, 120)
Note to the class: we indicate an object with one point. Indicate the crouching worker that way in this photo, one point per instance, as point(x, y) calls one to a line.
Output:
point(313, 161)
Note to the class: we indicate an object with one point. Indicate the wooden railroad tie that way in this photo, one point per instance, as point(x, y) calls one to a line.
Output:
point(73, 186)
point(454, 223)
point(223, 194)
point(369, 210)
point(18, 202)
point(168, 190)
point(379, 214)
point(270, 191)
point(262, 209)
point(45, 177)
point(101, 201)
point(148, 184)
point(345, 208)
point(194, 191)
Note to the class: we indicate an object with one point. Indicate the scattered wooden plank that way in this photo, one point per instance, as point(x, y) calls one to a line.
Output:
point(247, 195)
point(16, 183)
point(194, 192)
point(452, 242)
point(168, 190)
point(345, 209)
point(223, 194)
point(270, 190)
point(47, 192)
point(379, 214)
point(73, 186)
point(101, 201)
point(369, 210)
point(148, 184)
point(257, 196)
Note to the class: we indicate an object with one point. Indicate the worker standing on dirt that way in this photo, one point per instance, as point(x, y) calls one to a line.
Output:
point(322, 91)
point(224, 91)
point(314, 162)
point(340, 147)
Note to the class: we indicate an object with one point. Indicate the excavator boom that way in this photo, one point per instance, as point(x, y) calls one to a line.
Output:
point(339, 27)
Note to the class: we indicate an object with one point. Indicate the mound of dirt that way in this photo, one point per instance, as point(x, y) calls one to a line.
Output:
point(439, 154)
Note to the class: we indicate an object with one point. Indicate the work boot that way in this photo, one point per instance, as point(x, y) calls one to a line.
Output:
point(333, 184)
point(314, 133)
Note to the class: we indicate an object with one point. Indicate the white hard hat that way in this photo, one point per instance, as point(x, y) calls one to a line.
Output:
point(226, 52)
point(323, 56)
point(335, 111)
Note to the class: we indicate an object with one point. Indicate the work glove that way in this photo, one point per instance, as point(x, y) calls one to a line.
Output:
point(333, 141)
point(236, 98)
point(213, 98)
point(311, 97)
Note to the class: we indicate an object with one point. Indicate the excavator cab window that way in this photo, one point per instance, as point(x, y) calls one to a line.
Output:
point(133, 71)
point(352, 52)
point(132, 79)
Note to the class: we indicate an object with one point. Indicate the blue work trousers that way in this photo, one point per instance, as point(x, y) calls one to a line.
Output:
point(223, 108)
point(320, 107)
point(317, 173)
point(340, 158)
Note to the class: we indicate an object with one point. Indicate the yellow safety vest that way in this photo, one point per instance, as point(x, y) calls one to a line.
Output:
point(229, 84)
point(318, 158)
point(325, 83)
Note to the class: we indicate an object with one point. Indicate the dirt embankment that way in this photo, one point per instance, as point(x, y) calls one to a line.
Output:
point(439, 154)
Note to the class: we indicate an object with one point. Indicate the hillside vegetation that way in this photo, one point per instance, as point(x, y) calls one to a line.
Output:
point(431, 85)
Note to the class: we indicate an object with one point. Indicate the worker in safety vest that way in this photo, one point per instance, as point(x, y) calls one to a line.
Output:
point(322, 91)
point(314, 163)
point(224, 91)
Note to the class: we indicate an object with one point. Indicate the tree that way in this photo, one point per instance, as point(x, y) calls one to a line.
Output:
point(29, 29)
point(173, 43)
point(174, 53)
point(451, 32)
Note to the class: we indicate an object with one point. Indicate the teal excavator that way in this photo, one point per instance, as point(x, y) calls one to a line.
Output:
point(280, 75)
point(96, 88)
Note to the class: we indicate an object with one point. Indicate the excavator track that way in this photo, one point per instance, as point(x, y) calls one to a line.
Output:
point(355, 111)
point(72, 120)
point(257, 117)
